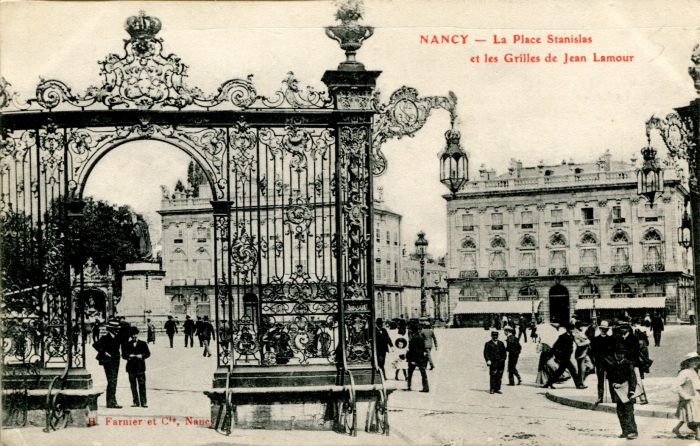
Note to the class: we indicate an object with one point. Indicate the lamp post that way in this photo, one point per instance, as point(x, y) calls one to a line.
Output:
point(593, 290)
point(421, 248)
point(680, 132)
point(685, 238)
point(530, 286)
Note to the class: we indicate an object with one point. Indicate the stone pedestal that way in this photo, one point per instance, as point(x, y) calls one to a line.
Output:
point(143, 295)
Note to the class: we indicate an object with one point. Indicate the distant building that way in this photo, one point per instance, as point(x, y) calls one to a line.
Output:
point(551, 238)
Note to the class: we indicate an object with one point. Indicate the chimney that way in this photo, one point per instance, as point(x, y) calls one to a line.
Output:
point(518, 168)
point(606, 157)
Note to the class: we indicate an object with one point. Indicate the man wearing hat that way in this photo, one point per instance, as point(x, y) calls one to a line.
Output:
point(384, 344)
point(562, 350)
point(136, 352)
point(495, 357)
point(189, 331)
point(108, 356)
point(170, 329)
point(513, 348)
point(623, 382)
point(600, 348)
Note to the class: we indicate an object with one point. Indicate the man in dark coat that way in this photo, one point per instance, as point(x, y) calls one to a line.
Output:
point(417, 356)
point(562, 350)
point(513, 348)
point(522, 326)
point(600, 349)
point(197, 330)
point(657, 326)
point(623, 381)
point(430, 340)
point(170, 329)
point(384, 344)
point(136, 352)
point(495, 357)
point(189, 330)
point(108, 349)
point(206, 333)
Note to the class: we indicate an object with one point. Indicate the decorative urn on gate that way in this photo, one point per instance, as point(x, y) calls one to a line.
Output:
point(349, 33)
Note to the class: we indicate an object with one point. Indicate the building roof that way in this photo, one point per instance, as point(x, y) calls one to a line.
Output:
point(622, 303)
point(566, 169)
point(499, 307)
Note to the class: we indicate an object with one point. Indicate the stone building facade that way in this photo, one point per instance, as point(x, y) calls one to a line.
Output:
point(560, 239)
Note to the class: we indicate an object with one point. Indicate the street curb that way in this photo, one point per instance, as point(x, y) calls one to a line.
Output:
point(607, 407)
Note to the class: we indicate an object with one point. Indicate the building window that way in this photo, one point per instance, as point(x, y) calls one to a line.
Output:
point(527, 261)
point(654, 290)
point(620, 237)
point(498, 242)
point(621, 289)
point(179, 233)
point(388, 238)
point(396, 272)
point(498, 293)
point(578, 171)
point(557, 218)
point(378, 235)
point(497, 221)
point(526, 219)
point(468, 243)
point(617, 214)
point(587, 216)
point(468, 261)
point(653, 256)
point(557, 262)
point(467, 222)
point(396, 238)
point(468, 293)
point(378, 268)
point(527, 293)
point(498, 261)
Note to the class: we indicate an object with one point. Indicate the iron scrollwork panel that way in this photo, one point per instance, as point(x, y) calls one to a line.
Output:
point(355, 192)
point(285, 298)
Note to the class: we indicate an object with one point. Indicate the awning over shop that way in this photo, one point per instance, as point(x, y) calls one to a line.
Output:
point(497, 307)
point(621, 303)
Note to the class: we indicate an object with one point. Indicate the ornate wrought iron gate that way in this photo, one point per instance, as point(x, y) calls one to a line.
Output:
point(291, 178)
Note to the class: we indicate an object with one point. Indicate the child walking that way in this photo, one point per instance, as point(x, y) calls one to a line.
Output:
point(687, 386)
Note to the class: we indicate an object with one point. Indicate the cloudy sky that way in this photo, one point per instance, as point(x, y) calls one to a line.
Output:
point(529, 111)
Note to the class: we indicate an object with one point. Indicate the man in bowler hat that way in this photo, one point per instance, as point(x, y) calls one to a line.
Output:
point(495, 357)
point(136, 352)
point(108, 356)
point(513, 348)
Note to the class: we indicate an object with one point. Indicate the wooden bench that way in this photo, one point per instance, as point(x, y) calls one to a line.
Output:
point(296, 384)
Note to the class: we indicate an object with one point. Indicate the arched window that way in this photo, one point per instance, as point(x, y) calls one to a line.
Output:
point(652, 235)
point(498, 242)
point(557, 239)
point(588, 290)
point(621, 289)
point(468, 243)
point(653, 254)
point(528, 241)
point(527, 293)
point(589, 238)
point(620, 237)
point(178, 305)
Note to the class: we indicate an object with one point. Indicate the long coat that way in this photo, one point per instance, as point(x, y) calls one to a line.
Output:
point(383, 342)
point(495, 352)
point(563, 348)
point(107, 347)
point(135, 365)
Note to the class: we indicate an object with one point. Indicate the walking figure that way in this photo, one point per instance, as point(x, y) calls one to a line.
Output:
point(151, 331)
point(687, 386)
point(206, 334)
point(513, 348)
point(384, 345)
point(429, 338)
point(417, 356)
point(198, 329)
point(136, 352)
point(189, 330)
point(170, 329)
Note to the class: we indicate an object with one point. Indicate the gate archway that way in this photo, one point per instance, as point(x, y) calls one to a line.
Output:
point(291, 176)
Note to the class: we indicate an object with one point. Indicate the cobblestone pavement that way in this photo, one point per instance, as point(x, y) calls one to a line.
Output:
point(457, 411)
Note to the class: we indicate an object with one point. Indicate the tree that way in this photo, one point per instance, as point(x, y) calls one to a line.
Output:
point(195, 178)
point(179, 187)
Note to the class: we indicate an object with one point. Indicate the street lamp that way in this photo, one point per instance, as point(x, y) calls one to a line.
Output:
point(650, 178)
point(454, 163)
point(421, 248)
point(532, 291)
point(593, 291)
point(685, 238)
point(680, 132)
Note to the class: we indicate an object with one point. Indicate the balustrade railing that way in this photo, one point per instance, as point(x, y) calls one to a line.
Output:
point(653, 267)
point(498, 273)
